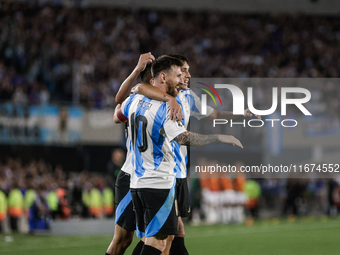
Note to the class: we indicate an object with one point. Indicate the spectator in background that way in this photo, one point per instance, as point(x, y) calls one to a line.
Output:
point(64, 211)
point(295, 191)
point(87, 186)
point(76, 197)
point(96, 201)
point(20, 96)
point(114, 165)
point(60, 176)
point(6, 91)
point(30, 193)
point(108, 201)
point(63, 126)
point(39, 213)
point(44, 96)
point(333, 197)
point(3, 208)
point(253, 191)
point(15, 206)
point(53, 199)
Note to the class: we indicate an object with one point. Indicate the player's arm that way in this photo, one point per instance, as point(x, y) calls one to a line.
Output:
point(193, 139)
point(118, 116)
point(214, 114)
point(156, 94)
point(125, 88)
point(175, 131)
point(230, 116)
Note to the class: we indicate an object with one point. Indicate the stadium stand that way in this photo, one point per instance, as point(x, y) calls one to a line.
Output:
point(82, 55)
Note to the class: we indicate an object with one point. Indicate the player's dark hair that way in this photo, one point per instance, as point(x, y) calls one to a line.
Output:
point(146, 75)
point(164, 64)
point(180, 57)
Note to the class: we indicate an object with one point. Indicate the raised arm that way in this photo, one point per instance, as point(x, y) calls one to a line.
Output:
point(156, 94)
point(193, 139)
point(125, 88)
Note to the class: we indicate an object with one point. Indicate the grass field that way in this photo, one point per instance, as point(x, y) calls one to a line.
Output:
point(304, 236)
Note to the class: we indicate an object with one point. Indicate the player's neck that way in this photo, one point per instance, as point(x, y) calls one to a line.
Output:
point(161, 86)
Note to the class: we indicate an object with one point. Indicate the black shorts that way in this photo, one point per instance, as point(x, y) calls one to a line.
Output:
point(182, 197)
point(125, 216)
point(155, 211)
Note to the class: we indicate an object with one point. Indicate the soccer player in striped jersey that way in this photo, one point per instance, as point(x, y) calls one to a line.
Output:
point(125, 217)
point(152, 130)
point(189, 99)
point(191, 106)
point(125, 223)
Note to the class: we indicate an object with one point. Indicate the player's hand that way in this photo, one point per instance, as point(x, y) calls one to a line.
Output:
point(144, 59)
point(175, 110)
point(229, 139)
point(135, 89)
point(248, 113)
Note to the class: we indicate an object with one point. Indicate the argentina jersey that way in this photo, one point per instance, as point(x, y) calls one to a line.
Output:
point(151, 131)
point(191, 106)
point(127, 167)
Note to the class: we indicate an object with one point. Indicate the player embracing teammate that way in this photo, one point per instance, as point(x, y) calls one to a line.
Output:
point(157, 155)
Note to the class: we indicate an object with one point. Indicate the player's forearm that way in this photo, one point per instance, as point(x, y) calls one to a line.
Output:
point(223, 115)
point(228, 115)
point(125, 88)
point(153, 92)
point(193, 139)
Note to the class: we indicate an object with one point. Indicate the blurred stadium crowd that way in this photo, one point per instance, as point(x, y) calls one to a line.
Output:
point(232, 198)
point(37, 191)
point(83, 54)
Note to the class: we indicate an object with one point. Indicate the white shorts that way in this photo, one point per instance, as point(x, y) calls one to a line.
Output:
point(205, 195)
point(228, 197)
point(241, 197)
point(215, 198)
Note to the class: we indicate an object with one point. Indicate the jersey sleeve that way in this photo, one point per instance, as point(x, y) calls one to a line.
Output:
point(121, 116)
point(126, 105)
point(196, 106)
point(172, 128)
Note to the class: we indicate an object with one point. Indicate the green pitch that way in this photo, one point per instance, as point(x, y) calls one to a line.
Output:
point(305, 236)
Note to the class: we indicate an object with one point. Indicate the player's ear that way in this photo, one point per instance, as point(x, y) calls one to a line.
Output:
point(162, 77)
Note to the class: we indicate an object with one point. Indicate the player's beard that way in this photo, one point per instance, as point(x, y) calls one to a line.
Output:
point(171, 88)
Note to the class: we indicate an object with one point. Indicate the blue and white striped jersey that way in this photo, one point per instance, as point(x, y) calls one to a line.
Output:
point(151, 131)
point(127, 166)
point(191, 106)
